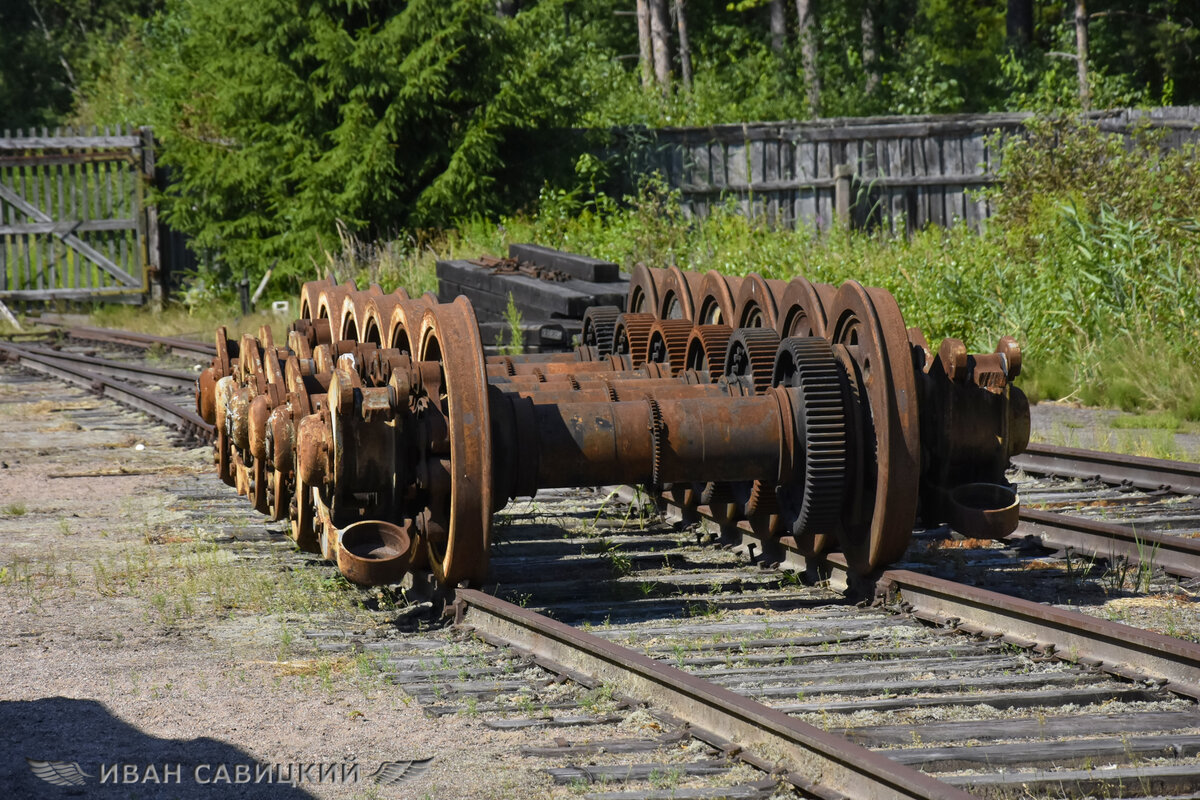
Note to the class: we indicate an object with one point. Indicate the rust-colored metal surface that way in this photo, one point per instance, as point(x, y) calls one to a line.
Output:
point(387, 438)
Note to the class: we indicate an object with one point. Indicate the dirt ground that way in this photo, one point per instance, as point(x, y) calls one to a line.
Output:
point(133, 637)
point(154, 622)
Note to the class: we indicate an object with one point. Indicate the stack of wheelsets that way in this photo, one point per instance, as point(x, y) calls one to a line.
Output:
point(809, 414)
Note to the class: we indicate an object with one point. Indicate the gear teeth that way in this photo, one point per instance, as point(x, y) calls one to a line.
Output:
point(599, 324)
point(718, 492)
point(668, 342)
point(815, 370)
point(706, 348)
point(658, 431)
point(751, 354)
point(631, 335)
point(763, 500)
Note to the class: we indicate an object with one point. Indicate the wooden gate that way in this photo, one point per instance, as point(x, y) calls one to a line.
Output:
point(75, 223)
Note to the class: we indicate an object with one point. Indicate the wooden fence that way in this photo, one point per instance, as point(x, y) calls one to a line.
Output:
point(898, 172)
point(75, 223)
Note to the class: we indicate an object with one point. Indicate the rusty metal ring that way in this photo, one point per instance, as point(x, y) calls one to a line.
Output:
point(330, 301)
point(450, 335)
point(756, 305)
point(379, 316)
point(675, 299)
point(869, 324)
point(643, 289)
point(404, 324)
point(716, 302)
point(801, 310)
point(309, 293)
point(353, 318)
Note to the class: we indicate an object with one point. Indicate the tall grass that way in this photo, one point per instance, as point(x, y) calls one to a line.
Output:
point(1092, 260)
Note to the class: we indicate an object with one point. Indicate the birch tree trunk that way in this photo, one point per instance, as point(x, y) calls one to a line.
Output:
point(685, 51)
point(660, 31)
point(778, 26)
point(808, 55)
point(1081, 54)
point(645, 52)
point(870, 55)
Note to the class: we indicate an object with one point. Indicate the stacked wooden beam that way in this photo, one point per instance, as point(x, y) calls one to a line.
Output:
point(550, 286)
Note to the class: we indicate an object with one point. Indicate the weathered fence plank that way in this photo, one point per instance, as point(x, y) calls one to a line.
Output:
point(910, 171)
point(73, 214)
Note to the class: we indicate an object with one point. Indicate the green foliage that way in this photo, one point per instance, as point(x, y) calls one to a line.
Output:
point(49, 48)
point(1092, 261)
point(516, 337)
point(286, 129)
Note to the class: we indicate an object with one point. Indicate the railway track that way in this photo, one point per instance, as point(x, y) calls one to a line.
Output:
point(136, 385)
point(939, 699)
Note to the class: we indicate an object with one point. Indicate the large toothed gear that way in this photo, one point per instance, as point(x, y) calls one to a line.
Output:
point(668, 343)
point(808, 363)
point(658, 432)
point(706, 349)
point(599, 323)
point(632, 334)
point(751, 354)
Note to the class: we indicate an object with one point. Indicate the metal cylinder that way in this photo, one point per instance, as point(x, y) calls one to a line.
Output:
point(658, 440)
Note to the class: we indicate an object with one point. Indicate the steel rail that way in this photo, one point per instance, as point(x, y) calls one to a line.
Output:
point(1112, 647)
point(142, 340)
point(1152, 474)
point(1174, 555)
point(157, 407)
point(815, 758)
point(164, 377)
point(1119, 649)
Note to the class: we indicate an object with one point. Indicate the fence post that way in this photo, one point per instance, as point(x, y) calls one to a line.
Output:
point(842, 175)
point(153, 253)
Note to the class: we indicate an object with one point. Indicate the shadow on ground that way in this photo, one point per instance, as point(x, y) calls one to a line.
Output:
point(84, 735)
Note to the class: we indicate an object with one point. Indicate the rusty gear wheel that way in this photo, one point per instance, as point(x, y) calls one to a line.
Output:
point(763, 500)
point(657, 434)
point(668, 343)
point(723, 505)
point(751, 354)
point(706, 349)
point(631, 335)
point(599, 322)
point(814, 502)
